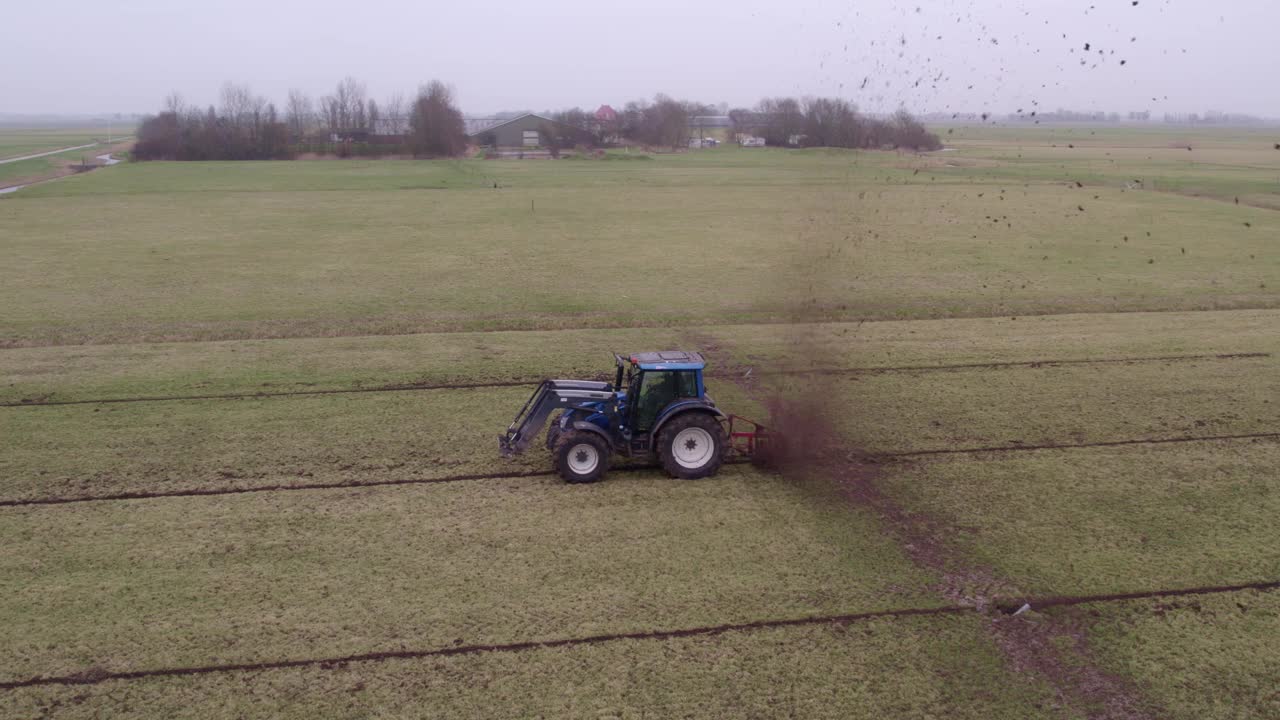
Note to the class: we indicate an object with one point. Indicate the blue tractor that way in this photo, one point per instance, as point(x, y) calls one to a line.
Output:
point(656, 407)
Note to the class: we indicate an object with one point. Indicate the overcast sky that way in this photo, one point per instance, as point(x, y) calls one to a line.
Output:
point(72, 56)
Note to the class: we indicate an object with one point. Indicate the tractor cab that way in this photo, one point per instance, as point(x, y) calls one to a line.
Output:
point(652, 386)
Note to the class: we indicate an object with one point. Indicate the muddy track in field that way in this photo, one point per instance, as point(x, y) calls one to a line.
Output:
point(356, 329)
point(1051, 601)
point(1073, 446)
point(205, 492)
point(97, 675)
point(408, 387)
point(1021, 364)
point(877, 457)
point(529, 382)
point(1055, 651)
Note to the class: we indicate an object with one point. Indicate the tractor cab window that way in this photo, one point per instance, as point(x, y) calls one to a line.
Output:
point(658, 389)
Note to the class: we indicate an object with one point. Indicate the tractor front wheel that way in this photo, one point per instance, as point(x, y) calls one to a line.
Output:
point(692, 446)
point(553, 432)
point(580, 457)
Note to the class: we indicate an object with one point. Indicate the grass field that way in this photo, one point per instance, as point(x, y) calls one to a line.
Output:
point(250, 413)
point(373, 247)
point(16, 142)
point(21, 142)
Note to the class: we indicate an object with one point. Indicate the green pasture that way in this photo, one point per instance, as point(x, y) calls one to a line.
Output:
point(941, 313)
point(16, 142)
point(393, 247)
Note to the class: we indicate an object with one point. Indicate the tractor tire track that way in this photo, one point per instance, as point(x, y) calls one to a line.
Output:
point(873, 457)
point(525, 382)
point(1028, 649)
point(1051, 601)
point(1074, 446)
point(1019, 364)
point(97, 675)
point(408, 387)
point(79, 337)
point(281, 487)
point(206, 492)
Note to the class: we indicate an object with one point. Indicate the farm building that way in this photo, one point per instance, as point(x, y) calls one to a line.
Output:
point(709, 130)
point(710, 122)
point(523, 131)
point(607, 124)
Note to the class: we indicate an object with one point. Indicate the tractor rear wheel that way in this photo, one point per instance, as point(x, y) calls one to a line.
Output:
point(580, 457)
point(692, 446)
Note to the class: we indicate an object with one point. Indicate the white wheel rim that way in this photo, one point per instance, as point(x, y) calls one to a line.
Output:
point(583, 459)
point(693, 448)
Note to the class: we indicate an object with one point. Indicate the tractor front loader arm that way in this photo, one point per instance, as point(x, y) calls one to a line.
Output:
point(550, 396)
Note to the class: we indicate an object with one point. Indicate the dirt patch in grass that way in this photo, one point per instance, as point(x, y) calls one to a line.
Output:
point(1048, 647)
point(96, 674)
point(1052, 648)
point(819, 457)
point(815, 455)
point(280, 487)
point(1069, 446)
point(1057, 649)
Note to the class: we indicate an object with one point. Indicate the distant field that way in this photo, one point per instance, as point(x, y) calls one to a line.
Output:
point(251, 413)
point(16, 142)
point(1235, 165)
point(33, 169)
point(375, 247)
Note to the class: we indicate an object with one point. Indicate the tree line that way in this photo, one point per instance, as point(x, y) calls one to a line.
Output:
point(781, 122)
point(246, 126)
point(662, 122)
point(830, 122)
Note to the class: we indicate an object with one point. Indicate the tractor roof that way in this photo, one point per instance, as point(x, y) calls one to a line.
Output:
point(668, 360)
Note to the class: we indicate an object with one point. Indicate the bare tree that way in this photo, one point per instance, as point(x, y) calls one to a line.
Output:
point(576, 126)
point(781, 120)
point(159, 137)
point(631, 119)
point(246, 129)
point(330, 114)
point(552, 140)
point(437, 128)
point(372, 116)
point(173, 103)
point(396, 118)
point(359, 115)
point(741, 120)
point(832, 122)
point(340, 103)
point(349, 99)
point(911, 133)
point(258, 106)
point(299, 113)
point(236, 104)
point(667, 122)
